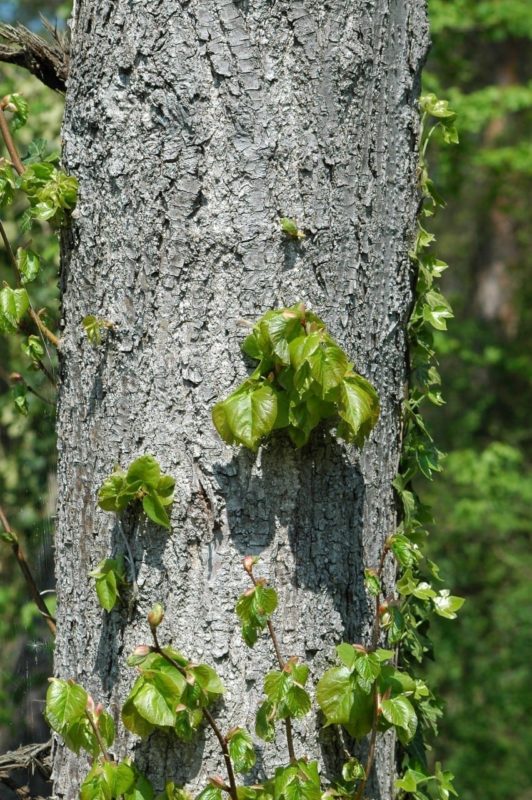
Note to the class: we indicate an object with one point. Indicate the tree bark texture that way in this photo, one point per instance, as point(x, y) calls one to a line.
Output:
point(192, 127)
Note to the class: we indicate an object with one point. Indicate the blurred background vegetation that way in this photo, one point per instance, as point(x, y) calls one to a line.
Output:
point(481, 61)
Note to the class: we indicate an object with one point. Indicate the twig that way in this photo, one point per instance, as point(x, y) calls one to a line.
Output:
point(10, 144)
point(98, 735)
point(131, 560)
point(208, 716)
point(30, 581)
point(281, 662)
point(47, 60)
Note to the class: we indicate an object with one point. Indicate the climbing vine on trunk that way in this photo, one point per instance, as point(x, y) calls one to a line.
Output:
point(303, 377)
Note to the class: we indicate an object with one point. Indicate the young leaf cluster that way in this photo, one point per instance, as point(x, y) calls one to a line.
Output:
point(254, 609)
point(143, 482)
point(169, 696)
point(286, 697)
point(365, 689)
point(95, 327)
point(109, 577)
point(302, 378)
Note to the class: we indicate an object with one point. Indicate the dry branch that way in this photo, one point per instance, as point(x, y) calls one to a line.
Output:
point(47, 60)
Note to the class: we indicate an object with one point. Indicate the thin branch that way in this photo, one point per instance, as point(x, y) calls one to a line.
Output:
point(48, 61)
point(208, 716)
point(10, 144)
point(46, 332)
point(281, 662)
point(30, 580)
point(131, 560)
point(98, 735)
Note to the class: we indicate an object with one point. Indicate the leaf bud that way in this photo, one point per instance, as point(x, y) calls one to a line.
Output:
point(218, 782)
point(9, 536)
point(248, 563)
point(156, 616)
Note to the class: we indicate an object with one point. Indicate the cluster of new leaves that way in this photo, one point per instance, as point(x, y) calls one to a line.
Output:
point(71, 713)
point(286, 697)
point(365, 686)
point(254, 608)
point(302, 377)
point(109, 577)
point(143, 482)
point(169, 694)
point(51, 195)
point(95, 327)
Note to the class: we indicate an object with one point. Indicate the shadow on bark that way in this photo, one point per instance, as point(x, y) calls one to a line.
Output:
point(312, 501)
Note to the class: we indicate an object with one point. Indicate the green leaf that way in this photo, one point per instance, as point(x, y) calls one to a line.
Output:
point(106, 726)
point(113, 495)
point(347, 655)
point(133, 720)
point(299, 781)
point(334, 694)
point(33, 348)
point(28, 264)
point(108, 575)
point(155, 510)
point(95, 785)
point(66, 702)
point(241, 750)
point(250, 414)
point(144, 470)
point(410, 780)
point(13, 305)
point(156, 701)
point(8, 183)
point(328, 366)
point(368, 668)
point(289, 226)
point(353, 770)
point(373, 584)
point(93, 328)
point(264, 723)
point(282, 326)
point(399, 712)
point(358, 408)
point(208, 679)
point(210, 793)
point(257, 605)
point(80, 735)
point(446, 605)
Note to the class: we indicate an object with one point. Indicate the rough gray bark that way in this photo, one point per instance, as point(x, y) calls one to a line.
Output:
point(192, 126)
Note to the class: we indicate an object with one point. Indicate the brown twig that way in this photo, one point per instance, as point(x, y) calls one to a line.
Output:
point(282, 664)
point(208, 716)
point(10, 144)
point(98, 735)
point(47, 60)
point(30, 581)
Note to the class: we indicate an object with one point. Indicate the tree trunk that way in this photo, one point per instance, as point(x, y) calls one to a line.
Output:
point(192, 127)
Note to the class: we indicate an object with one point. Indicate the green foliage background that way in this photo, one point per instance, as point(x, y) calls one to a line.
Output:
point(481, 61)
